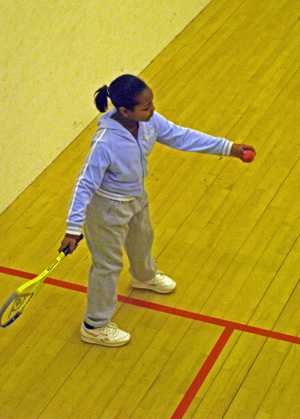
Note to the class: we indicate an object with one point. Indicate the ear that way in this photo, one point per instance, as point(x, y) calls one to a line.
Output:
point(124, 112)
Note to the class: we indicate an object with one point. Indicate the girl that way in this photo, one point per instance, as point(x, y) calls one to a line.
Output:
point(111, 202)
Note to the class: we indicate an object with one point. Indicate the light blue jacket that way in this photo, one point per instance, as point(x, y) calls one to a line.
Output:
point(117, 161)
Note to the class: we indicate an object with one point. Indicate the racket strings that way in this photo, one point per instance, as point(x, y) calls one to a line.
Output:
point(18, 305)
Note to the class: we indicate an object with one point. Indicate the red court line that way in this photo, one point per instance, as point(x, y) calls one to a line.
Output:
point(52, 281)
point(212, 320)
point(202, 374)
point(165, 309)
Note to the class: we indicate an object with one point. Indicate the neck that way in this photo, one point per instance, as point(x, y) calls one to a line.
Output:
point(127, 123)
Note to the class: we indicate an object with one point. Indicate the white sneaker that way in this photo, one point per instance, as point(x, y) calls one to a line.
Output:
point(108, 335)
point(161, 283)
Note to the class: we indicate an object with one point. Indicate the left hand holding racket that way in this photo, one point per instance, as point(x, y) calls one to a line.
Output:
point(70, 241)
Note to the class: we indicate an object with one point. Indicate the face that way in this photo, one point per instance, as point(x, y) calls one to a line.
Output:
point(143, 111)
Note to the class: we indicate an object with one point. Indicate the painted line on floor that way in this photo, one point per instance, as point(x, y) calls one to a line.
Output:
point(165, 309)
point(228, 326)
point(202, 374)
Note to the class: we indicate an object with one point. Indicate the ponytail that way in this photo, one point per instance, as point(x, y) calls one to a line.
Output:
point(101, 98)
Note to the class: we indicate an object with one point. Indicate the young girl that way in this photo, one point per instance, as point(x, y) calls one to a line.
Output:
point(111, 202)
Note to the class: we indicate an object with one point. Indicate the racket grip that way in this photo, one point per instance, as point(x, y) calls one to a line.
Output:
point(66, 251)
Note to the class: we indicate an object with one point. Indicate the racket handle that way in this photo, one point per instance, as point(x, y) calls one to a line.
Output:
point(66, 251)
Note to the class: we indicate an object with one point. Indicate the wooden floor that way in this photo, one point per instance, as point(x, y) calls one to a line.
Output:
point(226, 231)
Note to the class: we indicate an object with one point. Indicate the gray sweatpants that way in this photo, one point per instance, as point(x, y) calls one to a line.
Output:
point(110, 226)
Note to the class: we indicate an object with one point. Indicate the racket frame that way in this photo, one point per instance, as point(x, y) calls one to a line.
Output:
point(28, 289)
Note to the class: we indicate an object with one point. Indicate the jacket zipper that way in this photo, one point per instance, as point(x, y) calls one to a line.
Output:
point(141, 159)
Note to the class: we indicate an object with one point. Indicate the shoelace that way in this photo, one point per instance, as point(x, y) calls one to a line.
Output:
point(111, 329)
point(159, 277)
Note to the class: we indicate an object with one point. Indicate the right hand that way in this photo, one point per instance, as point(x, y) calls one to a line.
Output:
point(71, 241)
point(237, 150)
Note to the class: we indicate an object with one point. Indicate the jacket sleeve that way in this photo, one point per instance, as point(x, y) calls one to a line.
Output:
point(187, 139)
point(88, 182)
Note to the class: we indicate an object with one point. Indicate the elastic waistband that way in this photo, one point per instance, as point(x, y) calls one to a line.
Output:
point(113, 195)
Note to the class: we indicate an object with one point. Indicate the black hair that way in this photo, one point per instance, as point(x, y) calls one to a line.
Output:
point(122, 92)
